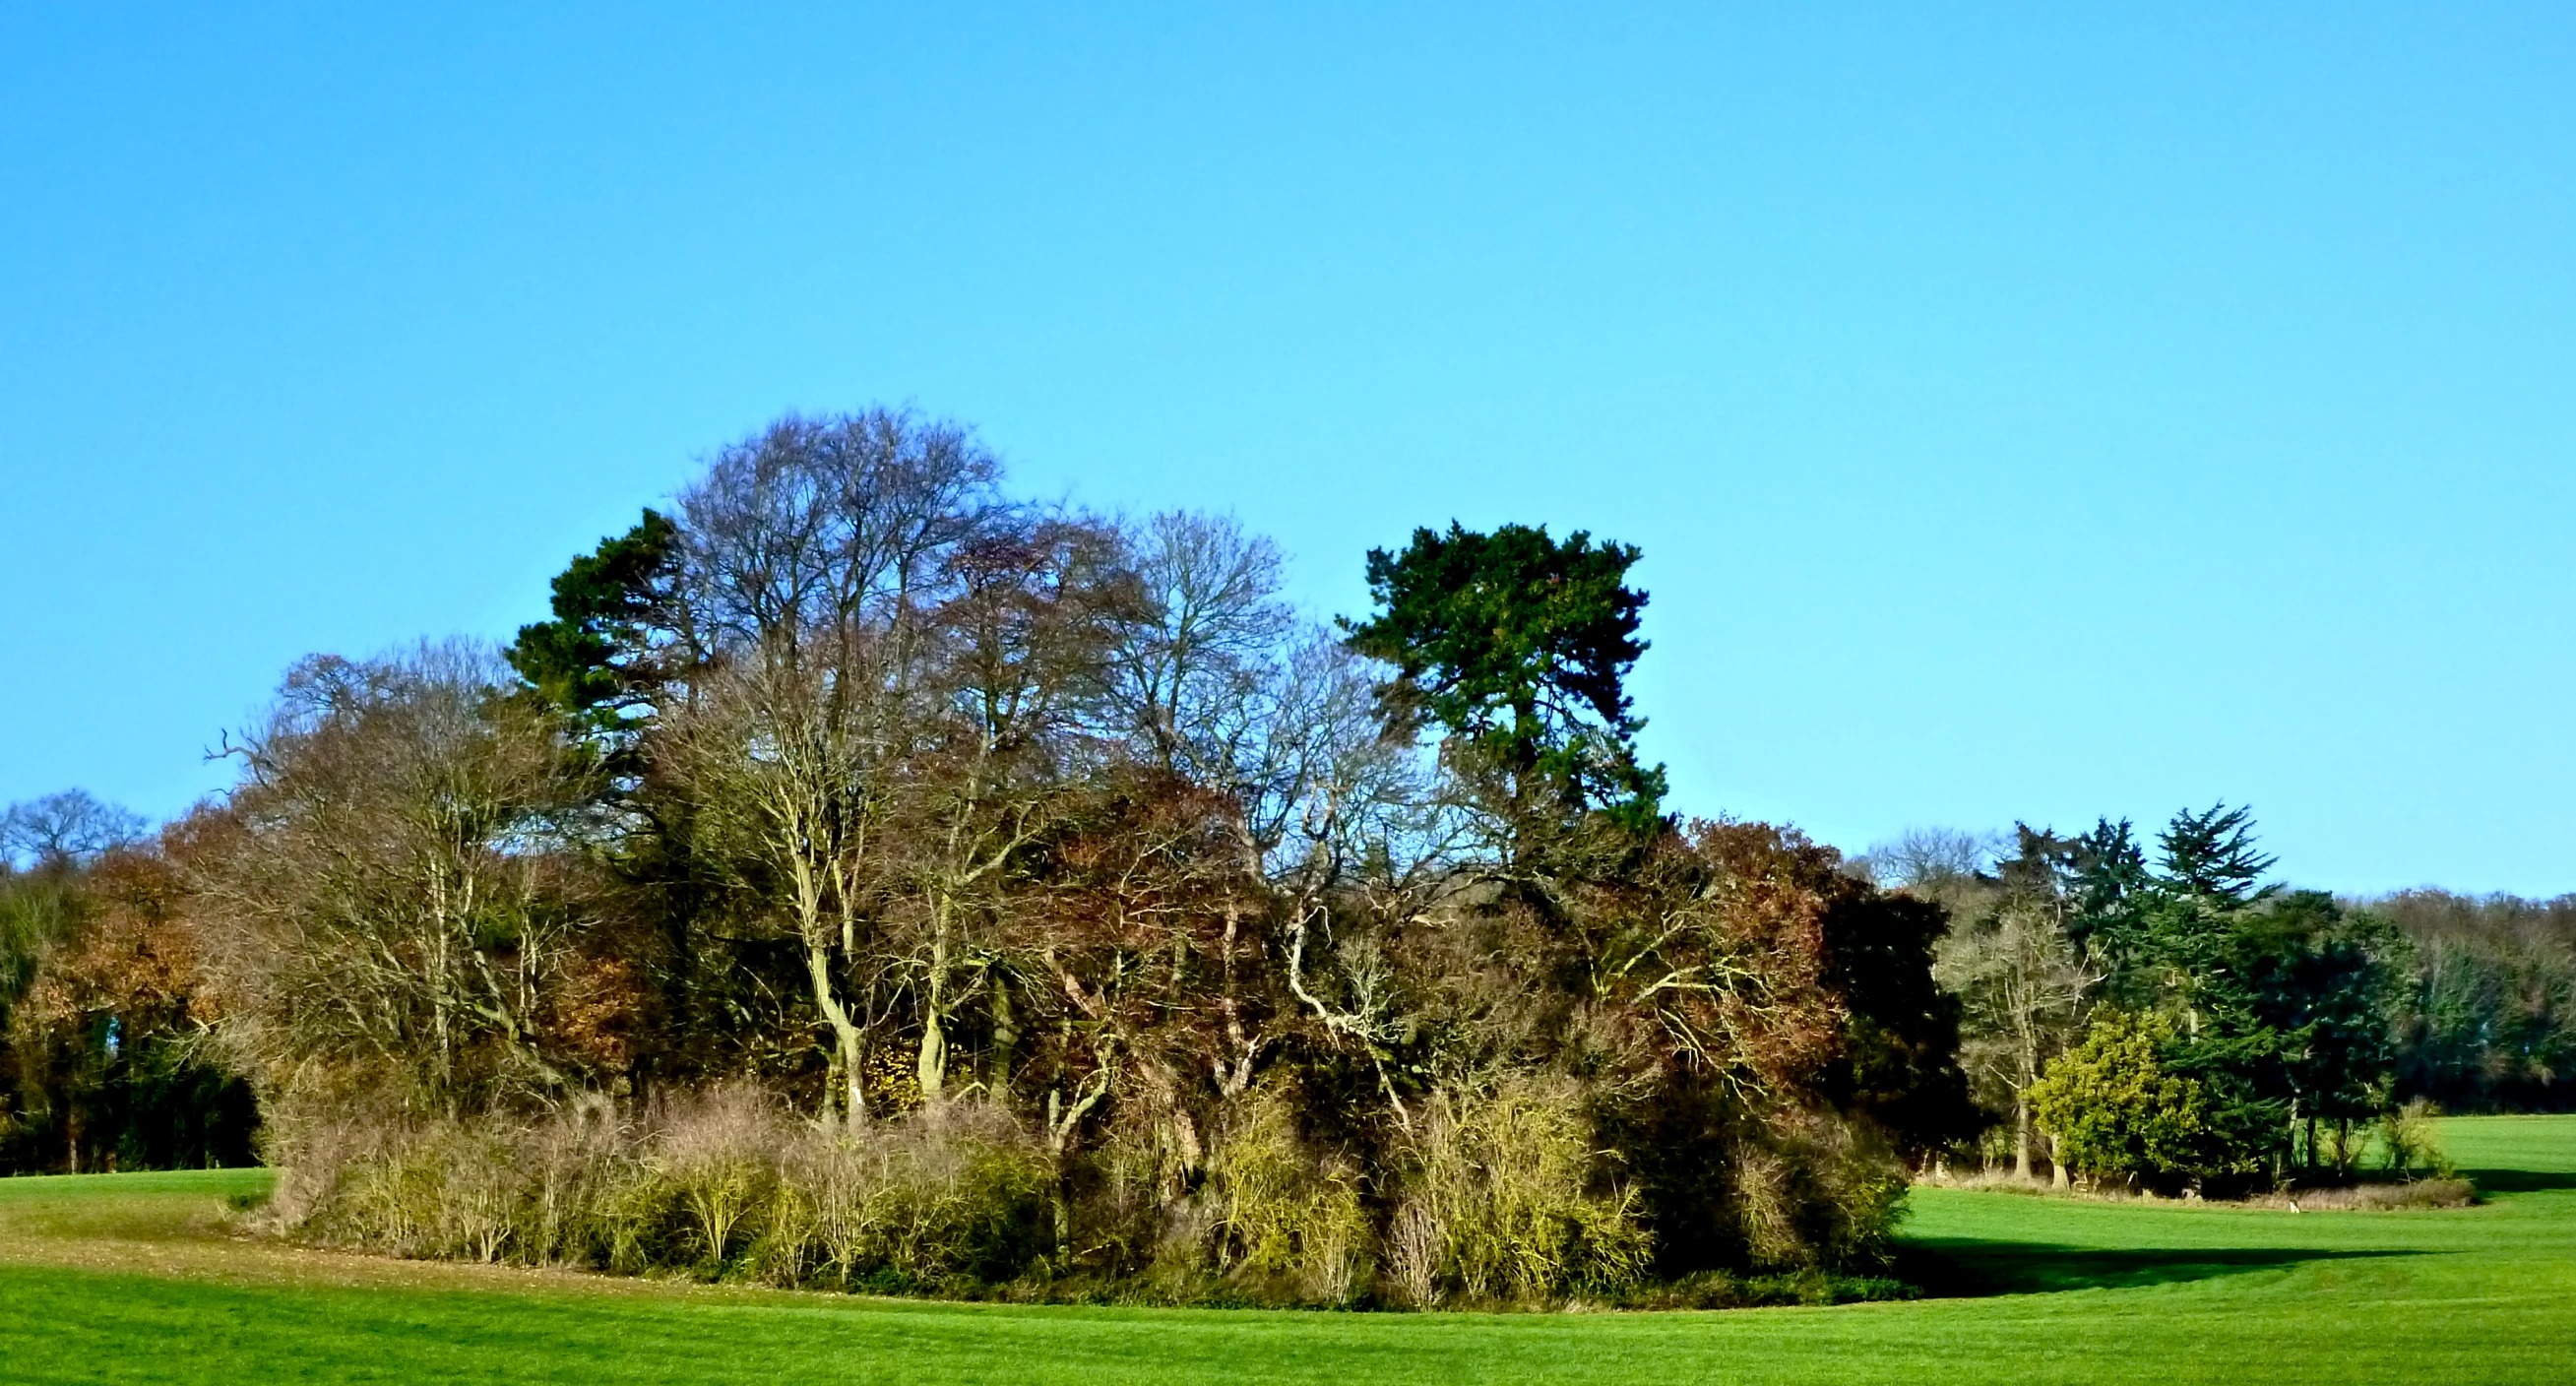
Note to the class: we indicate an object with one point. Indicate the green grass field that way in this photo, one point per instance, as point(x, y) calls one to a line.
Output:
point(132, 1278)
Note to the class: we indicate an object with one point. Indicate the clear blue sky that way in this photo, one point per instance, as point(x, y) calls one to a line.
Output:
point(2025, 412)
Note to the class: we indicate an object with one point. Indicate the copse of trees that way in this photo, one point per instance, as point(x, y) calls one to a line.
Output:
point(868, 878)
point(2180, 1023)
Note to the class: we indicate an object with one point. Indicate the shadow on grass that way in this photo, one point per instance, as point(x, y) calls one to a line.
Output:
point(1959, 1268)
point(2497, 1181)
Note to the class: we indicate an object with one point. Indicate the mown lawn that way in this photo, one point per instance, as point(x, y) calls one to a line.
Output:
point(129, 1278)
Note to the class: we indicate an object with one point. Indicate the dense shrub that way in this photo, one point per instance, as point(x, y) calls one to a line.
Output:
point(2410, 1145)
point(1818, 1191)
point(2114, 1111)
point(1287, 1214)
point(721, 1185)
point(1504, 1198)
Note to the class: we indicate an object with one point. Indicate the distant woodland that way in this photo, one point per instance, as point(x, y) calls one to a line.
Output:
point(868, 878)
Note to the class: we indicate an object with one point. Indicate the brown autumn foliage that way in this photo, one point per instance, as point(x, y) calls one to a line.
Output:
point(108, 1045)
point(134, 954)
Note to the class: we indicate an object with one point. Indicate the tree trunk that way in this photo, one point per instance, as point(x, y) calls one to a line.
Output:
point(2021, 1093)
point(933, 1067)
point(1006, 1037)
point(443, 1065)
point(845, 1032)
point(2021, 1136)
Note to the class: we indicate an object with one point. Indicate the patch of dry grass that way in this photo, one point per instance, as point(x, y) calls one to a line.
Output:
point(187, 1225)
point(2369, 1197)
point(2374, 1198)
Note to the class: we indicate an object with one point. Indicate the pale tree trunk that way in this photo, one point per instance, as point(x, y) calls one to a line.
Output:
point(1233, 1081)
point(2021, 1136)
point(1062, 1120)
point(818, 973)
point(933, 1068)
point(956, 868)
point(845, 1033)
point(2029, 1036)
point(933, 1065)
point(441, 998)
point(815, 858)
point(973, 857)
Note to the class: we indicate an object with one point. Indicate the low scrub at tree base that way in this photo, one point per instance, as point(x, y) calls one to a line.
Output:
point(1496, 1208)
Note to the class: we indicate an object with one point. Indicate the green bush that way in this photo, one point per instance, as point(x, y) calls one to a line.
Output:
point(2411, 1147)
point(2113, 1110)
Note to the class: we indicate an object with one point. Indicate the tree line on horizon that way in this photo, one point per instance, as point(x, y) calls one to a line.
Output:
point(868, 878)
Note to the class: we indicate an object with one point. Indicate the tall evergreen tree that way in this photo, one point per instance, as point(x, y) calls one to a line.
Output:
point(2110, 883)
point(594, 659)
point(1518, 646)
point(2210, 855)
point(2279, 1002)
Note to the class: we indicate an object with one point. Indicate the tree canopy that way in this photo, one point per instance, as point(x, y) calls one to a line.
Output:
point(1518, 646)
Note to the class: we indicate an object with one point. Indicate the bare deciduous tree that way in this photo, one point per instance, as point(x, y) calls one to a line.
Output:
point(379, 891)
point(831, 530)
point(1025, 644)
point(64, 829)
point(785, 763)
point(2024, 988)
point(822, 562)
point(1925, 859)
